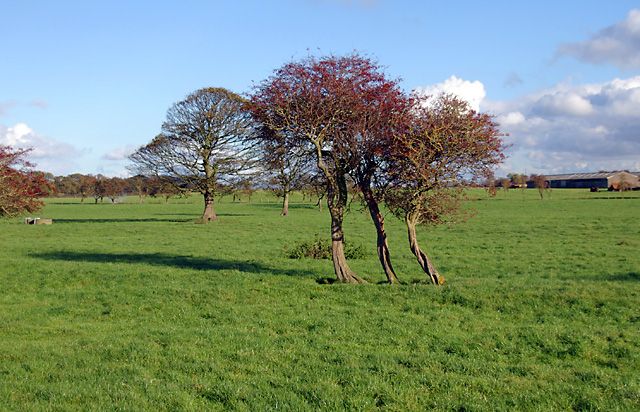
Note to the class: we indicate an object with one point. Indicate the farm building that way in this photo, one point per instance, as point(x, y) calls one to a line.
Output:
point(602, 180)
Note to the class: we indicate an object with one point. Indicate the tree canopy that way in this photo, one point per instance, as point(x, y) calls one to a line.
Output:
point(205, 140)
point(20, 187)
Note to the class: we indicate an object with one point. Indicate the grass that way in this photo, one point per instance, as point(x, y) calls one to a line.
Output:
point(135, 307)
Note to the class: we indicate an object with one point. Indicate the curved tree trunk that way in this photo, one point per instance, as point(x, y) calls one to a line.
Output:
point(336, 203)
point(382, 245)
point(285, 205)
point(423, 260)
point(209, 213)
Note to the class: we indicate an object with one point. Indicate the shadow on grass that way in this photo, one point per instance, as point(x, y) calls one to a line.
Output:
point(624, 277)
point(176, 261)
point(123, 220)
point(291, 205)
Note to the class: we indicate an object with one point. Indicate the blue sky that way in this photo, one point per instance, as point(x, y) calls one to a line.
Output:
point(86, 82)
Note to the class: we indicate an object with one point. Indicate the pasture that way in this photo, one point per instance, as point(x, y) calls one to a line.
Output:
point(134, 307)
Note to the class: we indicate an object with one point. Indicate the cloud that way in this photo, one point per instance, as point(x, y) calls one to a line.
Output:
point(49, 154)
point(574, 127)
point(618, 44)
point(119, 153)
point(471, 91)
point(513, 80)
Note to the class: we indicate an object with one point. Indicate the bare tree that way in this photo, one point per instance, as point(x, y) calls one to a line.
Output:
point(287, 163)
point(205, 140)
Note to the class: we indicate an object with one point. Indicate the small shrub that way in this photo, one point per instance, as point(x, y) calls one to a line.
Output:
point(321, 249)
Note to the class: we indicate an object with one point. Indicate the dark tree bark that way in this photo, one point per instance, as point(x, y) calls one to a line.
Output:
point(382, 245)
point(423, 260)
point(336, 203)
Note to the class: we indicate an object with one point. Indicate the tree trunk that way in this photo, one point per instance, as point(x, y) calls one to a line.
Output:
point(209, 214)
point(423, 259)
point(382, 245)
point(285, 205)
point(336, 202)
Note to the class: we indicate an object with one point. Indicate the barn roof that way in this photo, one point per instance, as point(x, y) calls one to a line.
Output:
point(581, 176)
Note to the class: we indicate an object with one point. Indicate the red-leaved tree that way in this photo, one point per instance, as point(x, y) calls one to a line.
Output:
point(20, 187)
point(445, 144)
point(317, 102)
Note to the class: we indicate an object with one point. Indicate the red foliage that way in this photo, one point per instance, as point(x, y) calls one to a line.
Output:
point(20, 187)
point(445, 144)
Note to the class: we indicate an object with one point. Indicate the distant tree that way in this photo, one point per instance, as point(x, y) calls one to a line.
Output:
point(163, 187)
point(205, 140)
point(314, 187)
point(517, 180)
point(505, 183)
point(86, 185)
point(286, 163)
point(140, 185)
point(624, 184)
point(446, 143)
point(490, 184)
point(540, 183)
point(20, 187)
point(114, 187)
point(99, 190)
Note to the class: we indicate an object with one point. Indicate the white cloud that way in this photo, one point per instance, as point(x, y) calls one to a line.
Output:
point(574, 127)
point(511, 118)
point(564, 103)
point(49, 154)
point(119, 153)
point(471, 91)
point(618, 44)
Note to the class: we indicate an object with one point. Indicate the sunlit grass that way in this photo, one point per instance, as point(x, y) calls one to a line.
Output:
point(130, 306)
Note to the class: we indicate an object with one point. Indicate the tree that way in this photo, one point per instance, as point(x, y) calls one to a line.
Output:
point(517, 180)
point(378, 112)
point(505, 183)
point(20, 187)
point(311, 101)
point(140, 185)
point(490, 184)
point(205, 139)
point(314, 187)
point(99, 190)
point(286, 163)
point(540, 183)
point(114, 187)
point(444, 144)
point(85, 186)
point(164, 187)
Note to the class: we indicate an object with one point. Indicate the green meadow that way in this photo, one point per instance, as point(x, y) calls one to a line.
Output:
point(134, 306)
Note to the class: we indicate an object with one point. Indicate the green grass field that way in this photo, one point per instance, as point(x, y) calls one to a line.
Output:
point(135, 307)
